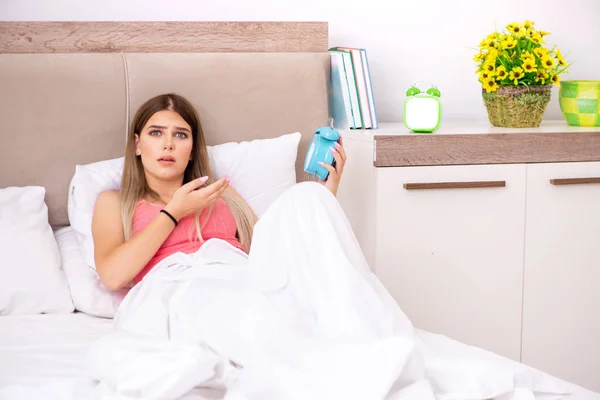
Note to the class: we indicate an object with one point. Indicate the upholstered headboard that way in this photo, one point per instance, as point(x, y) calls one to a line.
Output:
point(62, 109)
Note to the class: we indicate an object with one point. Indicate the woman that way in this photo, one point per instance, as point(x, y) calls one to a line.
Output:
point(169, 201)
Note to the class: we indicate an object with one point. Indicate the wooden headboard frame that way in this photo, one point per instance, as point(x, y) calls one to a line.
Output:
point(69, 89)
point(163, 37)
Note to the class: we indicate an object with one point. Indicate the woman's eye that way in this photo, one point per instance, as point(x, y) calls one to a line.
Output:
point(181, 135)
point(155, 133)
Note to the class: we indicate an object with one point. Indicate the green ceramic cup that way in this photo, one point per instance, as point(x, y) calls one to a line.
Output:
point(580, 102)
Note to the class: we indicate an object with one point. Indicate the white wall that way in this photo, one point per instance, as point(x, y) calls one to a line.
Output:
point(406, 40)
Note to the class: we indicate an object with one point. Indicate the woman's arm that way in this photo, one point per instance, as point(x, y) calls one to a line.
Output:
point(119, 261)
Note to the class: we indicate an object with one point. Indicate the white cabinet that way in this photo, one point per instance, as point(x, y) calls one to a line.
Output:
point(509, 260)
point(561, 305)
point(450, 250)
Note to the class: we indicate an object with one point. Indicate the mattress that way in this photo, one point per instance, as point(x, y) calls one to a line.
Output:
point(43, 356)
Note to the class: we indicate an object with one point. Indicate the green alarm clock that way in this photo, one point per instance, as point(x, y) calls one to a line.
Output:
point(422, 111)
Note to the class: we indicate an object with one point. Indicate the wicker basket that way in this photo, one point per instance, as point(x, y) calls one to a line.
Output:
point(517, 106)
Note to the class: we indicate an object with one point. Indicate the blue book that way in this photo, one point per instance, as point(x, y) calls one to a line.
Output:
point(339, 95)
point(344, 95)
point(367, 74)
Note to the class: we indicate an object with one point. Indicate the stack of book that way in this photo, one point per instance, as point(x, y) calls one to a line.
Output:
point(351, 101)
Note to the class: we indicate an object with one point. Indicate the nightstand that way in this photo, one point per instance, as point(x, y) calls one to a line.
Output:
point(488, 235)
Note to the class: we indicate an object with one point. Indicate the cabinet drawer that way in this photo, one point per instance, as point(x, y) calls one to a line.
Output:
point(450, 250)
point(561, 327)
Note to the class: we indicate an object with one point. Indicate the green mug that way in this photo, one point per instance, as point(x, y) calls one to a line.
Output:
point(580, 102)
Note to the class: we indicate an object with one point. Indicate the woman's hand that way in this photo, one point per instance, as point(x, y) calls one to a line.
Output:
point(332, 181)
point(192, 197)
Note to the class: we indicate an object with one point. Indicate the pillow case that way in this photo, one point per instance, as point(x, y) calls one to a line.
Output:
point(260, 171)
point(87, 291)
point(31, 279)
point(88, 182)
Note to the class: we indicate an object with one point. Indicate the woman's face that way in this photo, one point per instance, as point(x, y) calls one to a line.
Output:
point(165, 145)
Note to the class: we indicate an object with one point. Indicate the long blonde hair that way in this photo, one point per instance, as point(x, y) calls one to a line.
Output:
point(134, 186)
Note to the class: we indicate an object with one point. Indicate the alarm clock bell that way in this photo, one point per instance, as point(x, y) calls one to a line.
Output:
point(422, 111)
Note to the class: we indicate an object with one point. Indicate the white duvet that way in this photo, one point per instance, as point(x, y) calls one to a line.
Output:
point(300, 318)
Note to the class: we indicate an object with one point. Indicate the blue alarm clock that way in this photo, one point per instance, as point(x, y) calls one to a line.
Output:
point(319, 151)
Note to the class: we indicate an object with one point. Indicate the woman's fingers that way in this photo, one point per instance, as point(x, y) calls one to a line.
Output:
point(211, 189)
point(329, 168)
point(224, 185)
point(216, 194)
point(339, 161)
point(195, 184)
point(340, 148)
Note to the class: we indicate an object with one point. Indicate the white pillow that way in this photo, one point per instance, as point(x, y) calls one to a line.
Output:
point(89, 294)
point(88, 182)
point(260, 171)
point(31, 279)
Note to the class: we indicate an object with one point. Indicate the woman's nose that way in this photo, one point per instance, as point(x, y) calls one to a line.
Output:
point(168, 144)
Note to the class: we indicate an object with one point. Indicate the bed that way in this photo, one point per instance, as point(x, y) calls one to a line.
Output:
point(41, 356)
point(68, 94)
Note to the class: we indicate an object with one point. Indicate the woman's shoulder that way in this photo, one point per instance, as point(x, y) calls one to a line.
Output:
point(109, 199)
point(109, 196)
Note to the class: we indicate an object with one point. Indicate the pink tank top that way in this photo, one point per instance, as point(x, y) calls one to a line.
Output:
point(184, 238)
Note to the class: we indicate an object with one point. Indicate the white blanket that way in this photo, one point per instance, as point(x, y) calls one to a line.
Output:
point(302, 317)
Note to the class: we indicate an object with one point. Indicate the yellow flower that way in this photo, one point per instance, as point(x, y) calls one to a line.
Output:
point(492, 54)
point(501, 73)
point(490, 66)
point(478, 57)
point(541, 76)
point(493, 35)
point(529, 65)
point(508, 42)
point(557, 52)
point(540, 52)
point(537, 38)
point(547, 61)
point(528, 24)
point(543, 33)
point(490, 43)
point(516, 74)
point(527, 56)
point(561, 60)
point(516, 28)
point(483, 75)
point(556, 80)
point(490, 85)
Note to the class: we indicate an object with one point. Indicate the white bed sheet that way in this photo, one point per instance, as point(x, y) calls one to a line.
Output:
point(43, 357)
point(448, 348)
point(45, 354)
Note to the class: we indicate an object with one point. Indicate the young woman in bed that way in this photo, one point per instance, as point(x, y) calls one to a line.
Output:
point(169, 201)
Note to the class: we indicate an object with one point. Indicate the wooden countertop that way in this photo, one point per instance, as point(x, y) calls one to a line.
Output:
point(478, 142)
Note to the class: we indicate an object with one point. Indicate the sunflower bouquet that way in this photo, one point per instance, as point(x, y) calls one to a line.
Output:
point(516, 71)
point(518, 57)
